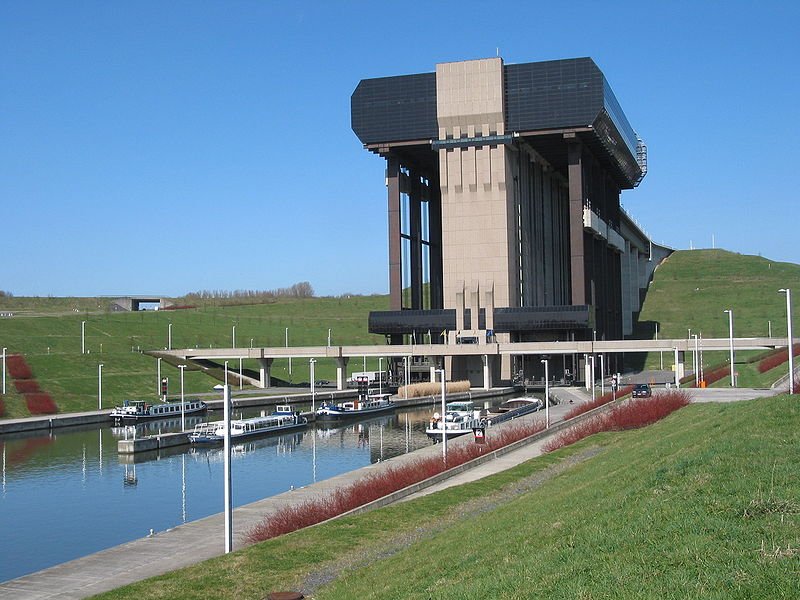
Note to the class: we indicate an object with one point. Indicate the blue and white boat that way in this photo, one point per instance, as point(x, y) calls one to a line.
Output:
point(136, 410)
point(365, 404)
point(214, 432)
point(459, 419)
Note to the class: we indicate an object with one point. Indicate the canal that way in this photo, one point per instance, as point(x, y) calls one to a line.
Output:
point(68, 493)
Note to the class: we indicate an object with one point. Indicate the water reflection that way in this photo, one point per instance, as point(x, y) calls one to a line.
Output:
point(69, 493)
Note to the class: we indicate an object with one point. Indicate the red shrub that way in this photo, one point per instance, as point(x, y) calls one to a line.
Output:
point(26, 386)
point(599, 401)
point(40, 404)
point(378, 485)
point(17, 367)
point(796, 383)
point(2, 408)
point(778, 357)
point(630, 415)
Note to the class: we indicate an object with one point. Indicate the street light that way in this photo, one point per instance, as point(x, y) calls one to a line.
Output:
point(444, 417)
point(547, 394)
point(591, 358)
point(329, 337)
point(788, 293)
point(287, 345)
point(4, 371)
point(380, 375)
point(158, 378)
point(602, 377)
point(169, 337)
point(233, 337)
point(695, 361)
point(730, 337)
point(312, 362)
point(83, 337)
point(100, 386)
point(183, 408)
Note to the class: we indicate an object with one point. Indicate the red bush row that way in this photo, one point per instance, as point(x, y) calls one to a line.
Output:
point(40, 404)
point(378, 485)
point(179, 307)
point(26, 386)
point(599, 401)
point(17, 367)
point(2, 408)
point(630, 415)
point(778, 357)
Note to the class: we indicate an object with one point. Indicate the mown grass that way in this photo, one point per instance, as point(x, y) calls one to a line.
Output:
point(692, 287)
point(705, 504)
point(51, 343)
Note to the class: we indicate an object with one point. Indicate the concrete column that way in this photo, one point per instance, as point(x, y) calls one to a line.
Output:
point(265, 366)
point(393, 191)
point(474, 306)
point(576, 196)
point(341, 372)
point(487, 372)
point(433, 374)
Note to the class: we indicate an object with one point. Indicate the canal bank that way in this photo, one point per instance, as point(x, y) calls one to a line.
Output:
point(167, 551)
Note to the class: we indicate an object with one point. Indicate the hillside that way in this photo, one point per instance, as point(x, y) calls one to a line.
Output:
point(48, 333)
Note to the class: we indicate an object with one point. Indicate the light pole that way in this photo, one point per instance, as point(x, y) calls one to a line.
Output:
point(251, 342)
point(4, 371)
point(329, 337)
point(695, 363)
point(788, 293)
point(591, 358)
point(225, 383)
point(169, 337)
point(287, 345)
point(602, 377)
point(183, 407)
point(547, 394)
point(233, 337)
point(226, 400)
point(380, 375)
point(100, 386)
point(312, 362)
point(444, 417)
point(158, 378)
point(83, 337)
point(730, 337)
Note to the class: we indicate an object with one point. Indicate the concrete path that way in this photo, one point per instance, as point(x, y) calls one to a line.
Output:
point(202, 539)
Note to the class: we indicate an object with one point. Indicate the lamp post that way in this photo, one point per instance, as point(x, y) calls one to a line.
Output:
point(444, 417)
point(312, 362)
point(788, 293)
point(329, 337)
point(228, 496)
point(695, 362)
point(380, 375)
point(233, 337)
point(591, 358)
point(602, 377)
point(100, 386)
point(183, 407)
point(730, 337)
point(546, 394)
point(4, 371)
point(83, 337)
point(287, 345)
point(158, 377)
point(169, 337)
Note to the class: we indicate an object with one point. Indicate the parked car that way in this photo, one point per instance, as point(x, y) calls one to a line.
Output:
point(642, 390)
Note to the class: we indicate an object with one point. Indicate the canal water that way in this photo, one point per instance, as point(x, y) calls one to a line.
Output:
point(68, 493)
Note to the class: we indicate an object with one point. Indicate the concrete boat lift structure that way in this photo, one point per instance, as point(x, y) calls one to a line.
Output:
point(490, 352)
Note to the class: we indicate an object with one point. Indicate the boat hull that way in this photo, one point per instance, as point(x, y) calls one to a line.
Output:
point(212, 439)
point(133, 418)
point(334, 415)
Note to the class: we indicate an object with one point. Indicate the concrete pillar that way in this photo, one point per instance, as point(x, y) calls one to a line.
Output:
point(459, 314)
point(341, 372)
point(265, 366)
point(474, 306)
point(393, 191)
point(576, 197)
point(487, 372)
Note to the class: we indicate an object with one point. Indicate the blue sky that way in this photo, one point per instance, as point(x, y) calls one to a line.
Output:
point(167, 147)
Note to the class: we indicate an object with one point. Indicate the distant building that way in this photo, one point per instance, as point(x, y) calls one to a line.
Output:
point(503, 201)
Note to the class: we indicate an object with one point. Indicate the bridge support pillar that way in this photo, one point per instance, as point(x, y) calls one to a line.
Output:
point(341, 372)
point(265, 366)
point(487, 371)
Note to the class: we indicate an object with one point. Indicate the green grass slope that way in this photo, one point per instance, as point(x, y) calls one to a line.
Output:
point(49, 337)
point(705, 504)
point(692, 288)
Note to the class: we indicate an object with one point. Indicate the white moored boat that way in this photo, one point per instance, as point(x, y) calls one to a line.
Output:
point(214, 432)
point(365, 404)
point(460, 418)
point(135, 410)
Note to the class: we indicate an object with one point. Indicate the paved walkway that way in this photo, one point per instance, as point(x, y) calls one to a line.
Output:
point(199, 540)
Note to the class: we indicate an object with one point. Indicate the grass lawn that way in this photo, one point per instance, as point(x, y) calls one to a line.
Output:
point(705, 504)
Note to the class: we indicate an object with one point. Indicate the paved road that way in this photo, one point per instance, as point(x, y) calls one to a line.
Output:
point(199, 540)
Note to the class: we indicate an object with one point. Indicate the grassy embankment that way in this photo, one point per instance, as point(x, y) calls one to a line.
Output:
point(47, 332)
point(705, 504)
point(692, 288)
